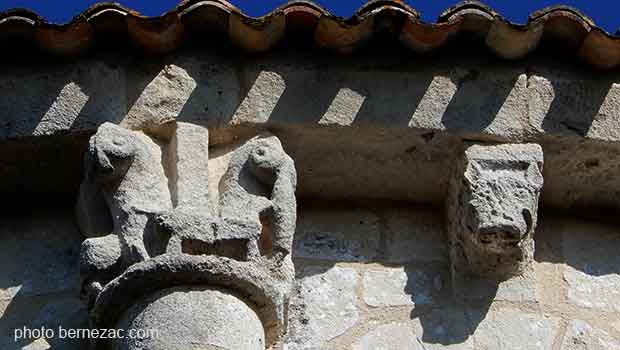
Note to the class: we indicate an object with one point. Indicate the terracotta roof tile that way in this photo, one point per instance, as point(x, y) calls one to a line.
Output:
point(562, 25)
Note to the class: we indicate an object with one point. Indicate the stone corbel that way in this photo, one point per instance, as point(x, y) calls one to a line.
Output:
point(153, 241)
point(492, 210)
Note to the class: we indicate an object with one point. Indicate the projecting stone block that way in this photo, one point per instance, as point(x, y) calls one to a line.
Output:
point(181, 88)
point(492, 209)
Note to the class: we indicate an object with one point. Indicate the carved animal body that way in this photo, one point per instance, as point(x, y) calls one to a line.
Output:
point(125, 186)
point(257, 199)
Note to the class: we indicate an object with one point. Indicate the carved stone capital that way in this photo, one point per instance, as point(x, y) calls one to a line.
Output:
point(154, 242)
point(492, 209)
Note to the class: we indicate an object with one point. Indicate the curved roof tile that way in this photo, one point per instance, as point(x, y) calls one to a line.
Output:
point(561, 24)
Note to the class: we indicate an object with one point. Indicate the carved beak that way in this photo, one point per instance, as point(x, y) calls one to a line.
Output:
point(104, 166)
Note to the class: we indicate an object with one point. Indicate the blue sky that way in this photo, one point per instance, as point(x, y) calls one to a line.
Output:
point(604, 12)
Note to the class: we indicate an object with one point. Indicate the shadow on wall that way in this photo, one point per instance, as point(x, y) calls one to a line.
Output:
point(575, 105)
point(400, 258)
point(39, 283)
point(60, 97)
point(196, 86)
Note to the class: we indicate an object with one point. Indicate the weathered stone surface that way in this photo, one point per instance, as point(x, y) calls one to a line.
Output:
point(401, 286)
point(125, 184)
point(324, 306)
point(513, 329)
point(492, 209)
point(182, 88)
point(39, 254)
point(415, 234)
point(574, 104)
point(210, 319)
point(518, 289)
point(59, 98)
point(146, 213)
point(581, 336)
point(464, 100)
point(343, 235)
point(189, 157)
point(438, 332)
point(593, 271)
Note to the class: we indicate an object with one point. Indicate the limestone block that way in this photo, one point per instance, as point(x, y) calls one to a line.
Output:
point(492, 209)
point(582, 336)
point(513, 329)
point(415, 234)
point(337, 235)
point(183, 88)
point(324, 306)
point(58, 98)
point(445, 331)
point(592, 271)
point(401, 286)
point(190, 154)
point(518, 289)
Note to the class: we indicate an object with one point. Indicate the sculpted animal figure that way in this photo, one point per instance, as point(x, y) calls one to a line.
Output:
point(259, 187)
point(257, 208)
point(124, 186)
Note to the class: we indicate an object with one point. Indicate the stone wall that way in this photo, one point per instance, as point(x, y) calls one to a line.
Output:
point(374, 139)
point(369, 276)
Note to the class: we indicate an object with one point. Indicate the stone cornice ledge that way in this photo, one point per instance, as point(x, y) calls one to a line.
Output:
point(341, 117)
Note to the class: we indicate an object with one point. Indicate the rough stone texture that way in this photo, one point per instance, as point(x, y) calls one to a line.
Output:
point(125, 184)
point(345, 94)
point(445, 331)
point(185, 88)
point(373, 115)
point(576, 104)
point(221, 322)
point(324, 306)
point(415, 234)
point(593, 271)
point(190, 155)
point(519, 289)
point(492, 209)
point(144, 204)
point(39, 276)
point(396, 287)
point(351, 235)
point(54, 99)
point(512, 329)
point(581, 336)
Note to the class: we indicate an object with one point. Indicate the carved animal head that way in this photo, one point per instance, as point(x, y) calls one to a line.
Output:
point(265, 158)
point(500, 202)
point(110, 153)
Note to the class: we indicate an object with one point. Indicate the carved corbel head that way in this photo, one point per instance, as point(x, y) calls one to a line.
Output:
point(110, 153)
point(492, 209)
